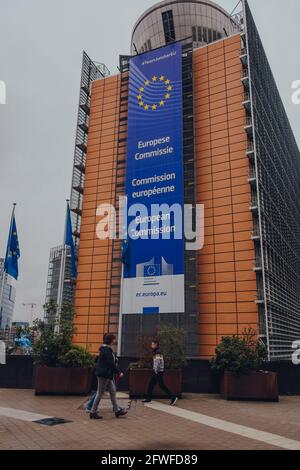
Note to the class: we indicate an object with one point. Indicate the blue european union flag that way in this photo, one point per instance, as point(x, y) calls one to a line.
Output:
point(12, 251)
point(70, 242)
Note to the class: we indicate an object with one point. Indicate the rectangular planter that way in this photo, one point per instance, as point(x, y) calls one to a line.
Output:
point(62, 381)
point(17, 372)
point(139, 380)
point(256, 386)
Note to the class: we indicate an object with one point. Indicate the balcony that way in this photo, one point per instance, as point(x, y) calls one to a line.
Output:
point(80, 167)
point(250, 150)
point(85, 107)
point(77, 211)
point(257, 264)
point(252, 175)
point(244, 56)
point(86, 89)
point(255, 236)
point(260, 297)
point(245, 78)
point(79, 189)
point(249, 126)
point(247, 101)
point(254, 204)
point(82, 146)
point(84, 127)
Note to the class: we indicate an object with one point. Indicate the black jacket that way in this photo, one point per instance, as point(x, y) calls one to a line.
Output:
point(106, 364)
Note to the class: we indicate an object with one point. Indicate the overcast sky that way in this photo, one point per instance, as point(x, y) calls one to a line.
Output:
point(41, 43)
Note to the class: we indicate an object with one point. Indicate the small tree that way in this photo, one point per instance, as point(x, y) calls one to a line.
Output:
point(50, 342)
point(240, 354)
point(171, 341)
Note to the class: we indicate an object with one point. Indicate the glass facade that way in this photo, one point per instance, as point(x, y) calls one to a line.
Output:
point(169, 28)
point(275, 178)
point(8, 300)
point(204, 21)
point(53, 278)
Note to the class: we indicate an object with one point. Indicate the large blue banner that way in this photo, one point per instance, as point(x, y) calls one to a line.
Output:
point(153, 279)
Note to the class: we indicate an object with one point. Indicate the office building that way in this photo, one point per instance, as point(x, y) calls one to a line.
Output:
point(8, 300)
point(53, 281)
point(239, 159)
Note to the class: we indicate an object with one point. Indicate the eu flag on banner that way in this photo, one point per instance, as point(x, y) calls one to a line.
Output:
point(12, 251)
point(70, 242)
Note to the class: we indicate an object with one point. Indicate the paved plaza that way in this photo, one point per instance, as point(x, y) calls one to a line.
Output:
point(198, 422)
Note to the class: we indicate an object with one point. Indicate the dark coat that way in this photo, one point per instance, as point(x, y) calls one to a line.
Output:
point(106, 364)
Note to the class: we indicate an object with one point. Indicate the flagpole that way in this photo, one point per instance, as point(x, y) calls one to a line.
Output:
point(4, 277)
point(2, 292)
point(62, 271)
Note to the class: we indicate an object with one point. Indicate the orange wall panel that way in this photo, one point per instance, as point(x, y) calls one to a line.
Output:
point(227, 283)
point(95, 256)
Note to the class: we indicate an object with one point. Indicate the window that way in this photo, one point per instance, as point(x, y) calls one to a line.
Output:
point(169, 28)
point(194, 34)
point(199, 33)
point(209, 35)
point(204, 35)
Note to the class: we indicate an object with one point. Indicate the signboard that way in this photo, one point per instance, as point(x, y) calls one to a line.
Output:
point(153, 273)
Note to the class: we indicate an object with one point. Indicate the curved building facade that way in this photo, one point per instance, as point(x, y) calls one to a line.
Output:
point(202, 20)
point(240, 161)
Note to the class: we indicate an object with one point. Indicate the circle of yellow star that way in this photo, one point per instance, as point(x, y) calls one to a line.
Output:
point(153, 82)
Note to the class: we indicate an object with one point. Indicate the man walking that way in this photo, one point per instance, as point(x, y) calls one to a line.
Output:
point(158, 375)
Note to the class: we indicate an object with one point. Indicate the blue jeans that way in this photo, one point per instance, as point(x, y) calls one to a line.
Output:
point(105, 384)
point(90, 403)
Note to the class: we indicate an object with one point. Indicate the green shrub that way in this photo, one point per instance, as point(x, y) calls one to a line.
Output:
point(77, 357)
point(171, 341)
point(50, 343)
point(239, 354)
